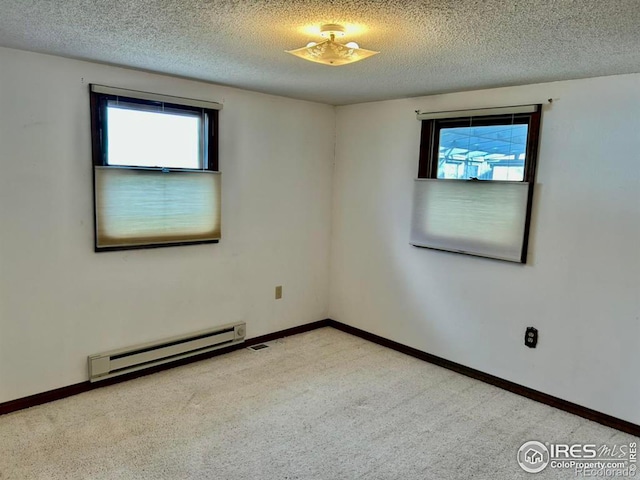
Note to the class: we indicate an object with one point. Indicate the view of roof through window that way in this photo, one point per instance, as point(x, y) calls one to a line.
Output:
point(487, 153)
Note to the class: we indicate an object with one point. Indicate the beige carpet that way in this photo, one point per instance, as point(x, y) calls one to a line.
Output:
point(321, 405)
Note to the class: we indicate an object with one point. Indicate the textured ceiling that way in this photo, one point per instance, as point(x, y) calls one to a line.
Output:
point(428, 46)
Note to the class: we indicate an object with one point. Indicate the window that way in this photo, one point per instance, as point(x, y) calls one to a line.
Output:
point(153, 138)
point(490, 147)
point(156, 178)
point(475, 181)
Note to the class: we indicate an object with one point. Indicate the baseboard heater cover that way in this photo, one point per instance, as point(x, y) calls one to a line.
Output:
point(138, 357)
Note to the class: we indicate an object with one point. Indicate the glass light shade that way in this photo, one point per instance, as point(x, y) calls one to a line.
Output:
point(332, 53)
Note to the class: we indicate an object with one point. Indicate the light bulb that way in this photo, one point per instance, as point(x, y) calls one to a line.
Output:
point(352, 45)
point(311, 44)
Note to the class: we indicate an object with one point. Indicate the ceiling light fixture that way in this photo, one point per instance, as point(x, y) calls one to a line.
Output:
point(330, 52)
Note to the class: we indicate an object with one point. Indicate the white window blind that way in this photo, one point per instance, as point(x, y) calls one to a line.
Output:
point(480, 218)
point(138, 207)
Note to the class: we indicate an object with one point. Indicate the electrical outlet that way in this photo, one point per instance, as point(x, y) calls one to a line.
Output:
point(531, 337)
point(278, 292)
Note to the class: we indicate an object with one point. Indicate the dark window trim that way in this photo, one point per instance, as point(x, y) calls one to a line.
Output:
point(430, 134)
point(152, 245)
point(99, 135)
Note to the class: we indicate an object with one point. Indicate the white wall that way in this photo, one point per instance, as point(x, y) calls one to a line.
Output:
point(60, 301)
point(581, 288)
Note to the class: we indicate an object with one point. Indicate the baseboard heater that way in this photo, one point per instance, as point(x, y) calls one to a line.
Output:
point(131, 359)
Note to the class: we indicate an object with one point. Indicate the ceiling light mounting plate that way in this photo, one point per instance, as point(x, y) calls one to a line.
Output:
point(329, 29)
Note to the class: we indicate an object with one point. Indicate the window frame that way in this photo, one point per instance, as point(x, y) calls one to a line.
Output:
point(209, 148)
point(430, 140)
point(100, 134)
